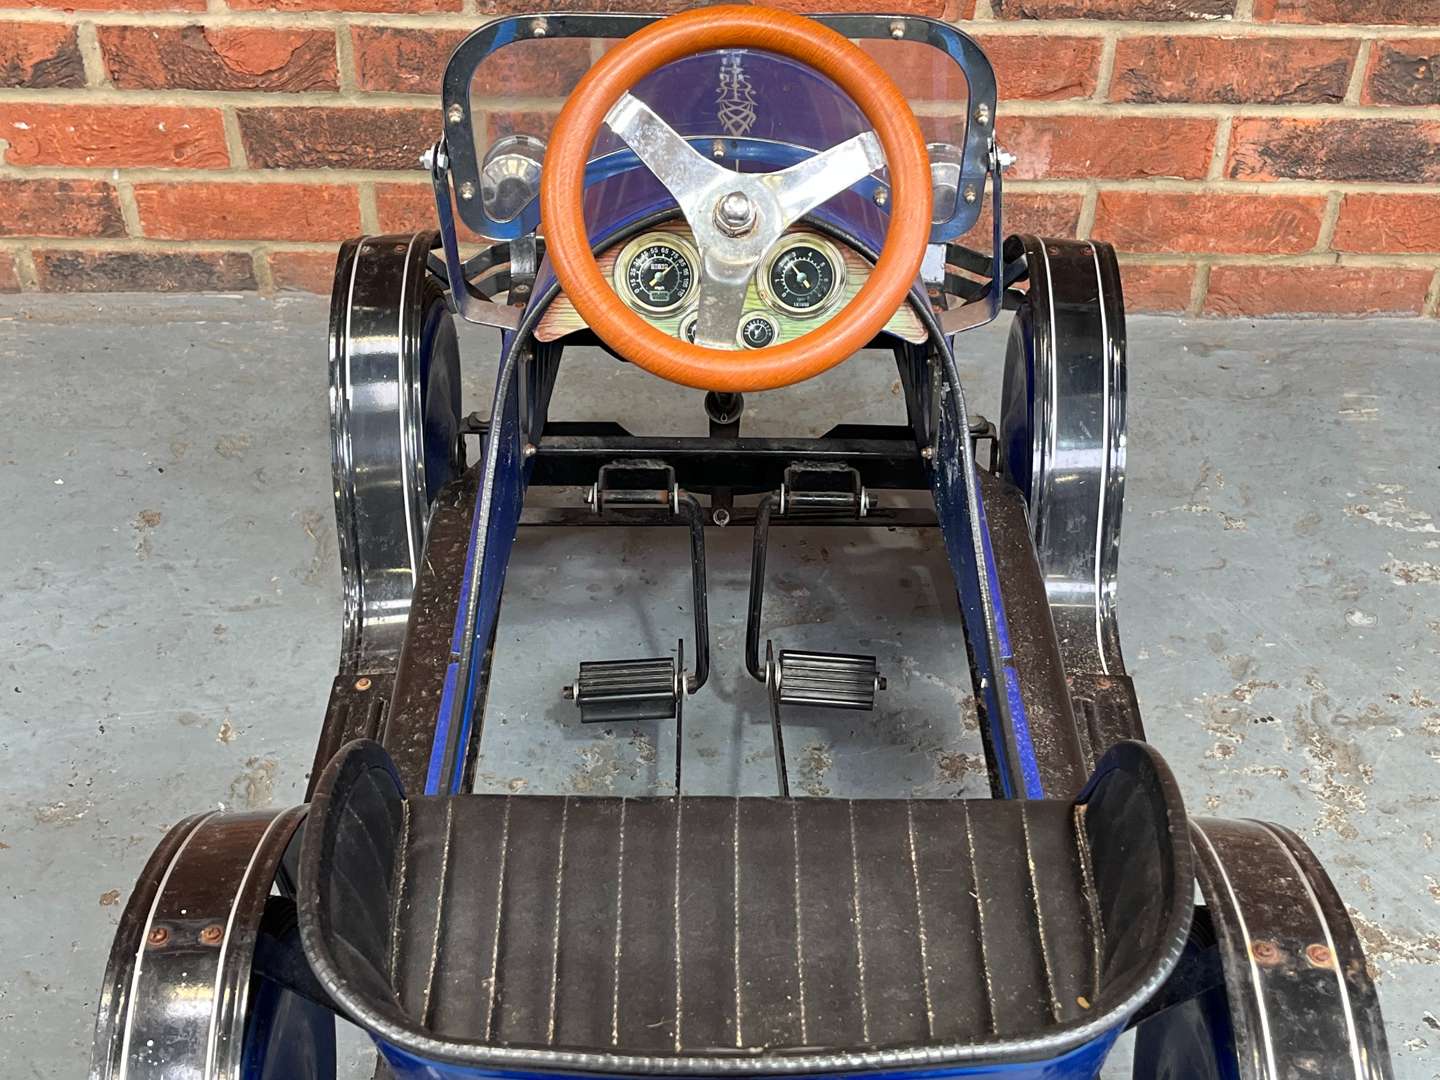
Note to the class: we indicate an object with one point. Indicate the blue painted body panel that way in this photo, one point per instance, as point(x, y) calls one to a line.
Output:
point(1082, 1063)
point(492, 535)
point(996, 673)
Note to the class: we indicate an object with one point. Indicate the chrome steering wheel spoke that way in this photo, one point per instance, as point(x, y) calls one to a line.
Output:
point(736, 218)
point(805, 185)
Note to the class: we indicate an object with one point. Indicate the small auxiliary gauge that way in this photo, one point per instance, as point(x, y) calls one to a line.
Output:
point(804, 276)
point(758, 330)
point(686, 330)
point(656, 273)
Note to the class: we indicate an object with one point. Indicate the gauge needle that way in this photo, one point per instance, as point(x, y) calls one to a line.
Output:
point(655, 281)
point(804, 281)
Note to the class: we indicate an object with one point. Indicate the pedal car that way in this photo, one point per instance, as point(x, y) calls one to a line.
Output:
point(734, 199)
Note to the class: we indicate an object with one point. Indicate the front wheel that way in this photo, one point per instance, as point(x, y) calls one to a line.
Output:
point(394, 430)
point(1062, 435)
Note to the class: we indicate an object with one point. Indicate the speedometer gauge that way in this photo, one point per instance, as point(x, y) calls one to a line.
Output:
point(655, 273)
point(804, 276)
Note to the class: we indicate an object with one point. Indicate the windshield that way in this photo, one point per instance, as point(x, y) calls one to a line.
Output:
point(729, 92)
point(748, 109)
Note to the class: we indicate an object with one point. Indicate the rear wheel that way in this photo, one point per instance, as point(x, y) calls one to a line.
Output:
point(1293, 996)
point(286, 1034)
point(182, 999)
point(1192, 1040)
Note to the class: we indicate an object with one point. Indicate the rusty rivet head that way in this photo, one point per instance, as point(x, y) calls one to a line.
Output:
point(158, 936)
point(362, 684)
point(212, 934)
point(1319, 956)
point(1265, 952)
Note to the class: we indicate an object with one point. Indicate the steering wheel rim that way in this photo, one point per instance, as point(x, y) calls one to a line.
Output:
point(801, 39)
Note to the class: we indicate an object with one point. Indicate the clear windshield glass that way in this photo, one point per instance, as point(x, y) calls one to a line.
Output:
point(728, 93)
point(750, 110)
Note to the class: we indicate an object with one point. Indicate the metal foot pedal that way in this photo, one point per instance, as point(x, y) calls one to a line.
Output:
point(816, 680)
point(653, 688)
point(811, 679)
point(827, 680)
point(610, 691)
point(615, 691)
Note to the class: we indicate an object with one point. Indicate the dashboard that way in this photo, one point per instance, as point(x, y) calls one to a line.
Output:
point(798, 286)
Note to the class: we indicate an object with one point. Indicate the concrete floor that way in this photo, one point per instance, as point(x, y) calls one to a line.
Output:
point(170, 603)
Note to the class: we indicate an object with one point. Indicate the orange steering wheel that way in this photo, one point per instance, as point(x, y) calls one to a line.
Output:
point(736, 217)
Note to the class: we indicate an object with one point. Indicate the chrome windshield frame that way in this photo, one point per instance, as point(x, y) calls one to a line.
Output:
point(459, 129)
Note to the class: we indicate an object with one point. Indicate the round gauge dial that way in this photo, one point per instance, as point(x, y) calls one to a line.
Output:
point(656, 274)
point(804, 278)
point(758, 330)
point(687, 326)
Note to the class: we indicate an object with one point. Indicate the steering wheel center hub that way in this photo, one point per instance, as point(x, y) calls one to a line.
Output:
point(735, 214)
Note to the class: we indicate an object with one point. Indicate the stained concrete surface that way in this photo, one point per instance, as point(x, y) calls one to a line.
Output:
point(169, 600)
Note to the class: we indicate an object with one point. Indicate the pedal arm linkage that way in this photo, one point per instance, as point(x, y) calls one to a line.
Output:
point(651, 688)
point(796, 677)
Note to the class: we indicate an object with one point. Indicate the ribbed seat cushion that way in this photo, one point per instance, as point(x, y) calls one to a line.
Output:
point(700, 928)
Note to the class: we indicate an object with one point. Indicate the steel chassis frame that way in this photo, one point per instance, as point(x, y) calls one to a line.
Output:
point(515, 434)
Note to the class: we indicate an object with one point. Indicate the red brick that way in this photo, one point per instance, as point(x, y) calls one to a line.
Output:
point(1043, 66)
point(303, 271)
point(9, 278)
point(1041, 214)
point(1182, 223)
point(490, 8)
point(934, 9)
point(40, 56)
point(144, 271)
point(218, 58)
point(527, 122)
point(937, 9)
point(1146, 10)
point(59, 208)
point(1388, 223)
point(1030, 66)
point(407, 60)
point(1400, 12)
point(1316, 290)
point(1403, 73)
point(1157, 287)
point(1396, 151)
point(1232, 70)
point(338, 138)
point(108, 5)
point(1107, 147)
point(113, 135)
point(219, 211)
point(407, 208)
point(371, 6)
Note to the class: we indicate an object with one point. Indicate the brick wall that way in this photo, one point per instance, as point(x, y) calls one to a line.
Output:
point(1249, 157)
